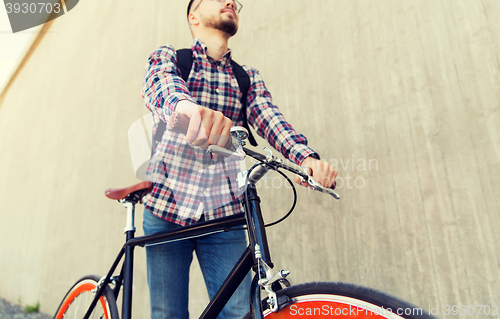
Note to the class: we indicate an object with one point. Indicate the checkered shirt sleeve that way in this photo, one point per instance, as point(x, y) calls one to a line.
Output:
point(182, 175)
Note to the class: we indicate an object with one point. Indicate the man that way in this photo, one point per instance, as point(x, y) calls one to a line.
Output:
point(211, 99)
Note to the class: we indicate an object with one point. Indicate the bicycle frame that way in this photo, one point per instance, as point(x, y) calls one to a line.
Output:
point(248, 260)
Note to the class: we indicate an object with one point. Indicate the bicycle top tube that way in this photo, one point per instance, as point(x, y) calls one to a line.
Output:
point(190, 231)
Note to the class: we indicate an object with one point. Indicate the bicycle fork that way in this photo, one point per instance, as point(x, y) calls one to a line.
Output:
point(264, 276)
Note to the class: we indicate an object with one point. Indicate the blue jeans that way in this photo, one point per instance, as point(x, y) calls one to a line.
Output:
point(168, 269)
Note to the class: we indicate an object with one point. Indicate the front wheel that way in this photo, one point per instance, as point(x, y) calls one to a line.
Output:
point(341, 300)
point(78, 299)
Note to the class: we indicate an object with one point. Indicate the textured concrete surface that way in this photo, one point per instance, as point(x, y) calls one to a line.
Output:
point(401, 95)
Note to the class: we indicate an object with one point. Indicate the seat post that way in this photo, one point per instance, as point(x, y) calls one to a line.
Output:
point(129, 261)
point(129, 227)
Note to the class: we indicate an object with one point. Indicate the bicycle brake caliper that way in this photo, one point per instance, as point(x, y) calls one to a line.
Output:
point(269, 279)
point(99, 284)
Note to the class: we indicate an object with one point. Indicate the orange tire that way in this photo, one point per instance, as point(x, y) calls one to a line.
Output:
point(340, 300)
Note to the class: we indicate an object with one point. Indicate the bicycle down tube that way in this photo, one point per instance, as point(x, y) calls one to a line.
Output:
point(256, 256)
point(282, 300)
point(257, 238)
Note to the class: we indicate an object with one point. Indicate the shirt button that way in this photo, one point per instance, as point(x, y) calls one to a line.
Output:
point(217, 90)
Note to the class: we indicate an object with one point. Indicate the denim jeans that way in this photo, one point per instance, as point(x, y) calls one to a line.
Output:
point(168, 269)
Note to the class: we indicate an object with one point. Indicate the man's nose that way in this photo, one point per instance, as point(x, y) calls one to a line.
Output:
point(230, 3)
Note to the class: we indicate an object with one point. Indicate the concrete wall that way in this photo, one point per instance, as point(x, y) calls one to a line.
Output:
point(402, 95)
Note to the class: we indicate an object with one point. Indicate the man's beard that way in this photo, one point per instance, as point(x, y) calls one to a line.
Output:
point(228, 26)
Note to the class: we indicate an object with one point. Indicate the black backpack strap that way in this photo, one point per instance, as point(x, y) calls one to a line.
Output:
point(185, 62)
point(244, 84)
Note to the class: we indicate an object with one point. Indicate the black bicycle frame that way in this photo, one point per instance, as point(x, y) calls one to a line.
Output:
point(256, 234)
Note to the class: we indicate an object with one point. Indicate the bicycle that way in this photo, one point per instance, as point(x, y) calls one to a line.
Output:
point(96, 297)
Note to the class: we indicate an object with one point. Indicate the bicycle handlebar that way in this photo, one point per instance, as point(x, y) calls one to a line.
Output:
point(276, 163)
point(180, 122)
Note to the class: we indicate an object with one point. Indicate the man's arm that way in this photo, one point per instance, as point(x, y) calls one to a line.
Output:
point(163, 86)
point(164, 91)
point(271, 125)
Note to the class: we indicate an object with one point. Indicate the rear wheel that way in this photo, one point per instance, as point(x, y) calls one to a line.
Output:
point(341, 300)
point(78, 299)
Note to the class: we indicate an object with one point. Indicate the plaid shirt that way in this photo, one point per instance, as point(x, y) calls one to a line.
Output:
point(182, 174)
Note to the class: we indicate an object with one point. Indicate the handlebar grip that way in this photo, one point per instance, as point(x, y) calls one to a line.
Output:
point(178, 122)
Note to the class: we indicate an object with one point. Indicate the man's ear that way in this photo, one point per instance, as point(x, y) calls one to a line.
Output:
point(193, 19)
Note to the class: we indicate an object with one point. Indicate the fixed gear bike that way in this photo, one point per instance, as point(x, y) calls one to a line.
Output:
point(94, 297)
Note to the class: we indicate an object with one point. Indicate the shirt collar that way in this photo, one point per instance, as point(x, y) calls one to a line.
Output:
point(201, 48)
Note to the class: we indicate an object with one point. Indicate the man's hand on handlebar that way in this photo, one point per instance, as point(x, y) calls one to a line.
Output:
point(322, 172)
point(206, 126)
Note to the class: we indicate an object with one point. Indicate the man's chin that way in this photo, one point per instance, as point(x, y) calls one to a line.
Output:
point(230, 29)
point(233, 32)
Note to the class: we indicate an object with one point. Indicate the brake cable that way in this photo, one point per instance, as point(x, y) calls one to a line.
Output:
point(293, 205)
point(247, 205)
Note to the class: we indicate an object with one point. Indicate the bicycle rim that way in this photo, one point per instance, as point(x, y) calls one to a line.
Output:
point(79, 298)
point(341, 300)
point(328, 306)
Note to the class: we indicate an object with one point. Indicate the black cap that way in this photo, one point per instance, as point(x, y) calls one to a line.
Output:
point(189, 6)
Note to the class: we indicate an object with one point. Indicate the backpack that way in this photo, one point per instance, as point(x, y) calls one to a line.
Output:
point(184, 63)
